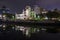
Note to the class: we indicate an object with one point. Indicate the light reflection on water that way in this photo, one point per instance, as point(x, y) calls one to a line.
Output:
point(25, 29)
point(28, 30)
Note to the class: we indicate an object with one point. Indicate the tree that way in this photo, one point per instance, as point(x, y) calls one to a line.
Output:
point(8, 16)
point(53, 14)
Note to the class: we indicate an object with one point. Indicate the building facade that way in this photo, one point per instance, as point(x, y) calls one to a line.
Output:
point(3, 12)
point(25, 14)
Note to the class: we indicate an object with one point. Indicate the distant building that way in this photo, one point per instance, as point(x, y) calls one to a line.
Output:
point(19, 16)
point(37, 9)
point(3, 12)
point(27, 11)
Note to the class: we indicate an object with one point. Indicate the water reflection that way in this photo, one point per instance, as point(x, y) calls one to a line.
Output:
point(28, 30)
point(25, 29)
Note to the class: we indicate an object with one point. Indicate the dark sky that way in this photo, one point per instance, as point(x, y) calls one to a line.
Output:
point(18, 5)
point(49, 4)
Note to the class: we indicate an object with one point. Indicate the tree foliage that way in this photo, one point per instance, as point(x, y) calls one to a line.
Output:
point(53, 14)
point(8, 15)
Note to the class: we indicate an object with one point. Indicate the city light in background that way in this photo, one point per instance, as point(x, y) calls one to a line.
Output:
point(30, 18)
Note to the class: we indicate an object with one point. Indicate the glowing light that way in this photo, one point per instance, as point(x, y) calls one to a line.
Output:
point(3, 26)
point(46, 18)
point(0, 16)
point(4, 15)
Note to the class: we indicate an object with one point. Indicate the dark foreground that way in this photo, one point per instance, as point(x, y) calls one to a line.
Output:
point(45, 36)
point(18, 35)
point(12, 35)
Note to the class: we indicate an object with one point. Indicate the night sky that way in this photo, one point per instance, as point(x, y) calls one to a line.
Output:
point(18, 5)
point(49, 4)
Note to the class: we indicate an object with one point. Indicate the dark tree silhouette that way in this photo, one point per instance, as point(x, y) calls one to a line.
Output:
point(53, 14)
